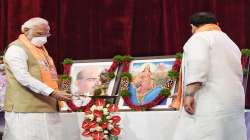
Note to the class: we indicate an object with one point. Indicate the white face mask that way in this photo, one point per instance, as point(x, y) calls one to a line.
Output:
point(39, 41)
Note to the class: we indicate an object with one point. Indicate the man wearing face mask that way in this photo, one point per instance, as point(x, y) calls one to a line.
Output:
point(32, 93)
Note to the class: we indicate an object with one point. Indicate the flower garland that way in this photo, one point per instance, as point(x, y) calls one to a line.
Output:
point(245, 60)
point(164, 93)
point(105, 78)
point(100, 122)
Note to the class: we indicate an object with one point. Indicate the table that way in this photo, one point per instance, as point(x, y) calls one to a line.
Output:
point(150, 125)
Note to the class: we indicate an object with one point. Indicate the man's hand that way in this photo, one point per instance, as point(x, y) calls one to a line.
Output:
point(61, 95)
point(189, 104)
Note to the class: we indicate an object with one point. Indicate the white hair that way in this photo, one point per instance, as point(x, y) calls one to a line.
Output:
point(29, 24)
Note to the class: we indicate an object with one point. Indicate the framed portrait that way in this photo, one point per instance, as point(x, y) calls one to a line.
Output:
point(86, 79)
point(148, 76)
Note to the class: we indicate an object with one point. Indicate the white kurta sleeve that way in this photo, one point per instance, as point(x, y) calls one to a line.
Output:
point(197, 59)
point(16, 58)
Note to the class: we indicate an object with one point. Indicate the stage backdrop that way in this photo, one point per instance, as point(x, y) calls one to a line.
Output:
point(91, 29)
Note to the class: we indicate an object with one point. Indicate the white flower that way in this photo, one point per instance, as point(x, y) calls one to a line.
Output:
point(106, 137)
point(105, 111)
point(107, 105)
point(92, 129)
point(108, 117)
point(98, 128)
point(110, 121)
point(110, 126)
point(99, 108)
point(90, 116)
point(106, 132)
point(98, 119)
point(93, 108)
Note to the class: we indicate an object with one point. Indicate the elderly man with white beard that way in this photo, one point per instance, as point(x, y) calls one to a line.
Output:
point(32, 93)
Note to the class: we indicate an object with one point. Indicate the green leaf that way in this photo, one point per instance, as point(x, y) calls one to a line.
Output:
point(125, 93)
point(118, 58)
point(127, 58)
point(128, 75)
point(178, 56)
point(111, 75)
point(245, 52)
point(65, 77)
point(173, 74)
point(165, 92)
point(112, 137)
point(245, 72)
point(67, 61)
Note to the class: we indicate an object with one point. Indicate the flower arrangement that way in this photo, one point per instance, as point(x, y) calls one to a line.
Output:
point(100, 121)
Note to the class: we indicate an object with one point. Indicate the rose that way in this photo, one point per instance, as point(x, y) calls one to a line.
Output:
point(87, 112)
point(115, 131)
point(116, 119)
point(104, 125)
point(113, 108)
point(97, 113)
point(100, 102)
point(86, 133)
point(97, 136)
point(92, 124)
point(85, 124)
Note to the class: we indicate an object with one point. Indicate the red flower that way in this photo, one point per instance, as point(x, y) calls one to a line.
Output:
point(66, 68)
point(125, 67)
point(116, 119)
point(116, 131)
point(97, 136)
point(113, 66)
point(104, 125)
point(92, 124)
point(100, 102)
point(85, 124)
point(97, 113)
point(244, 61)
point(178, 62)
point(86, 133)
point(87, 111)
point(113, 108)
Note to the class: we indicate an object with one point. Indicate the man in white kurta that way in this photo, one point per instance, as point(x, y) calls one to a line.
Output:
point(31, 103)
point(214, 96)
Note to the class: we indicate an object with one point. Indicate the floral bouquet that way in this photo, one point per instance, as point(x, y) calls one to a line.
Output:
point(100, 121)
